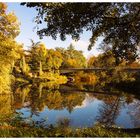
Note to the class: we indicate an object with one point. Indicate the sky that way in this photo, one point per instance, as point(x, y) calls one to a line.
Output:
point(26, 15)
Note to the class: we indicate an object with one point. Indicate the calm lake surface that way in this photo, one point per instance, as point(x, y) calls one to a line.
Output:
point(77, 108)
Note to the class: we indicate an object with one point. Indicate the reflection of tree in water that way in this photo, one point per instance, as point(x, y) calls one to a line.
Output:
point(109, 111)
point(129, 98)
point(39, 97)
point(134, 112)
point(6, 102)
point(21, 96)
point(63, 122)
point(71, 100)
point(53, 99)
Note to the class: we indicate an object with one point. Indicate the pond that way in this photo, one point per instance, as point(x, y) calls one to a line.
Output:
point(67, 105)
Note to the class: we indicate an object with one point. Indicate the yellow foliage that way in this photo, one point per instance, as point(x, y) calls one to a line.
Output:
point(6, 105)
point(5, 79)
point(56, 77)
point(72, 62)
point(9, 49)
point(85, 78)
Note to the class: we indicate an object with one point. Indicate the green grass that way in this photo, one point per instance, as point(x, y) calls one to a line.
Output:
point(18, 129)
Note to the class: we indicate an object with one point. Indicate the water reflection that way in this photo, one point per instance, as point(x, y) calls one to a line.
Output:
point(48, 103)
point(6, 105)
point(38, 97)
point(109, 111)
point(63, 122)
point(134, 112)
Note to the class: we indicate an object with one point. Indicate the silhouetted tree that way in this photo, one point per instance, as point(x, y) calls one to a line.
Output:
point(118, 23)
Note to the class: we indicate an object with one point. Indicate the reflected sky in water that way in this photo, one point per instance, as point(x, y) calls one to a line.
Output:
point(69, 106)
point(107, 110)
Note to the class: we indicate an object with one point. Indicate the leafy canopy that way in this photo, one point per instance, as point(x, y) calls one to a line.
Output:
point(118, 23)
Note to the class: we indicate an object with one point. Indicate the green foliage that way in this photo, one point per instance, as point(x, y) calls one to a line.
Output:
point(118, 23)
point(72, 58)
point(14, 129)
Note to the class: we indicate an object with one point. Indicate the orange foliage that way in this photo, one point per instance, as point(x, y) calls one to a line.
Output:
point(134, 65)
point(85, 78)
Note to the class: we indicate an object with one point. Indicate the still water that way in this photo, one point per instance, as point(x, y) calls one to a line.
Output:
point(77, 108)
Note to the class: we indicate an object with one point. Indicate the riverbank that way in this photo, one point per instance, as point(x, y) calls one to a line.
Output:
point(23, 130)
point(45, 77)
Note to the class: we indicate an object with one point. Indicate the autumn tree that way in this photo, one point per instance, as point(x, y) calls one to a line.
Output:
point(9, 48)
point(82, 79)
point(6, 102)
point(105, 60)
point(23, 65)
point(112, 73)
point(91, 61)
point(38, 53)
point(54, 59)
point(72, 58)
point(118, 23)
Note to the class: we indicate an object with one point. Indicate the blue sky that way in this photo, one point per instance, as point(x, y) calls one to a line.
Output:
point(25, 16)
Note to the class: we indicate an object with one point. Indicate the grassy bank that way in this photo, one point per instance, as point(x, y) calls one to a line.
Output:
point(17, 129)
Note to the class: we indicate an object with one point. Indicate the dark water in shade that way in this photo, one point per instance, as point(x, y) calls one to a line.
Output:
point(76, 108)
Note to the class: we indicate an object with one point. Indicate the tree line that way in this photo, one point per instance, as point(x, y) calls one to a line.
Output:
point(16, 62)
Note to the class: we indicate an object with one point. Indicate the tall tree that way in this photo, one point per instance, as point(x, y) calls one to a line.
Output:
point(118, 23)
point(38, 55)
point(9, 48)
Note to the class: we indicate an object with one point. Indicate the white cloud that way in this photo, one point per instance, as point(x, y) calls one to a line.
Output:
point(86, 102)
point(83, 46)
point(80, 43)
